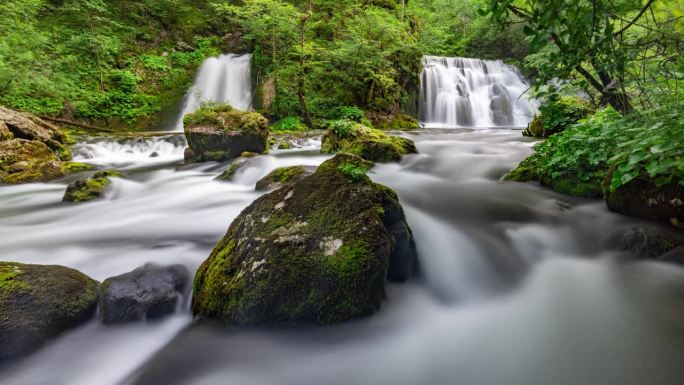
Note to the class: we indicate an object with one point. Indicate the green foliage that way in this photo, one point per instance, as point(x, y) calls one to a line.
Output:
point(343, 128)
point(290, 123)
point(653, 145)
point(352, 113)
point(110, 61)
point(559, 113)
point(644, 144)
point(353, 171)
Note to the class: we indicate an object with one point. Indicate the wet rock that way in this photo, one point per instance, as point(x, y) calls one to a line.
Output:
point(148, 292)
point(650, 242)
point(642, 198)
point(220, 133)
point(368, 143)
point(91, 188)
point(228, 174)
point(315, 252)
point(31, 150)
point(154, 154)
point(38, 302)
point(284, 176)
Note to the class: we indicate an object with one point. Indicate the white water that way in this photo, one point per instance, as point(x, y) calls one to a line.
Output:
point(462, 92)
point(226, 79)
point(517, 289)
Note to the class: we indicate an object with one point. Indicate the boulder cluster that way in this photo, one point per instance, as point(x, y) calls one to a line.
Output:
point(31, 149)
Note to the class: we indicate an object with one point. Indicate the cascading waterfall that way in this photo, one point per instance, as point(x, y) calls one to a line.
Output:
point(463, 92)
point(225, 79)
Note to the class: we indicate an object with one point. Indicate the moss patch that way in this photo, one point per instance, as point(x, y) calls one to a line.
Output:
point(283, 176)
point(38, 302)
point(315, 252)
point(368, 143)
point(90, 188)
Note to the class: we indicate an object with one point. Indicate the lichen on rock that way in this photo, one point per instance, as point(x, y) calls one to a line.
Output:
point(314, 252)
point(368, 143)
point(37, 302)
point(221, 132)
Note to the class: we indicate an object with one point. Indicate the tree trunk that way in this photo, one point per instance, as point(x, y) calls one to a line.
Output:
point(301, 81)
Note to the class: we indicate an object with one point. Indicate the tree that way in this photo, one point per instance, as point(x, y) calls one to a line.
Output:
point(588, 36)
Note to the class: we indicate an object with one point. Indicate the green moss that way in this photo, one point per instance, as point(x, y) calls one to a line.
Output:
point(78, 166)
point(38, 302)
point(398, 122)
point(317, 251)
point(527, 171)
point(368, 143)
point(90, 188)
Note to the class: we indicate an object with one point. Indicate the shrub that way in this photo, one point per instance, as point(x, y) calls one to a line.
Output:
point(557, 114)
point(290, 123)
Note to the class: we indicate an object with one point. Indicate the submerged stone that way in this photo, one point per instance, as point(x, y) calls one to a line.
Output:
point(91, 188)
point(368, 143)
point(148, 292)
point(37, 302)
point(314, 252)
point(650, 242)
point(220, 133)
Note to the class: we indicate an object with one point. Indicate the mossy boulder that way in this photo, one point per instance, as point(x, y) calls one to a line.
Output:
point(220, 133)
point(643, 198)
point(535, 128)
point(284, 176)
point(91, 188)
point(368, 143)
point(557, 114)
point(31, 149)
point(23, 160)
point(146, 293)
point(315, 252)
point(228, 174)
point(38, 302)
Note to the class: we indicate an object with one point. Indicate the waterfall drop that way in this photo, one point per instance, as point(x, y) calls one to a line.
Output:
point(463, 92)
point(226, 79)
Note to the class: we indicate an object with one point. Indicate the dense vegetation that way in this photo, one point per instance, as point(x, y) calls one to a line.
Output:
point(121, 63)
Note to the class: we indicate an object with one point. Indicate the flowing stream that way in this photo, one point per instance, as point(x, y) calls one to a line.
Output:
point(519, 285)
point(463, 92)
point(225, 79)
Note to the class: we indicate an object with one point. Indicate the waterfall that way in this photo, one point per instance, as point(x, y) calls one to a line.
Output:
point(226, 79)
point(463, 92)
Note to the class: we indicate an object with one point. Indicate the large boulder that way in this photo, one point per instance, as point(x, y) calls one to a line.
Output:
point(38, 302)
point(91, 188)
point(315, 252)
point(148, 292)
point(220, 133)
point(642, 198)
point(368, 143)
point(284, 176)
point(30, 149)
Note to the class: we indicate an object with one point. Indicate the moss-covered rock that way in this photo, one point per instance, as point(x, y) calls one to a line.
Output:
point(316, 252)
point(23, 160)
point(31, 149)
point(529, 170)
point(557, 114)
point(535, 128)
point(38, 302)
point(228, 174)
point(642, 198)
point(368, 143)
point(284, 176)
point(220, 133)
point(91, 188)
point(399, 121)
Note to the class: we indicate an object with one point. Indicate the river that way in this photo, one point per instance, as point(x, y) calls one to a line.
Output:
point(519, 285)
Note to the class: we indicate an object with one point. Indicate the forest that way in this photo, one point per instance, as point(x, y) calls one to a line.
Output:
point(342, 191)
